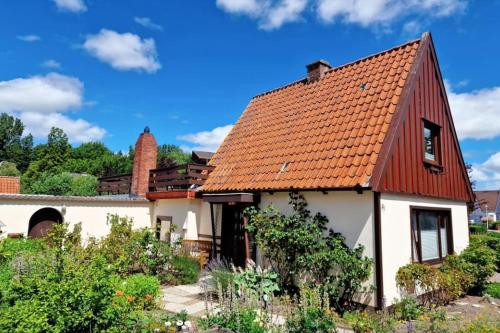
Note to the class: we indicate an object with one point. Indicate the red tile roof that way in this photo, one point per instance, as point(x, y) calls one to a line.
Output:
point(489, 198)
point(9, 185)
point(312, 135)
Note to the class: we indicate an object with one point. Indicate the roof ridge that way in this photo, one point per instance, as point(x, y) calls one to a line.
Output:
point(343, 65)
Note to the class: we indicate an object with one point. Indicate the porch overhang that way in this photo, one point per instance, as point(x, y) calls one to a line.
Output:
point(229, 197)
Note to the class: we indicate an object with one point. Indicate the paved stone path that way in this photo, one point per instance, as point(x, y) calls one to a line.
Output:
point(179, 298)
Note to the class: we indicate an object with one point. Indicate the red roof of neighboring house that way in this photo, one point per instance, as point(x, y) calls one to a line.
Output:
point(10, 185)
point(489, 198)
point(310, 135)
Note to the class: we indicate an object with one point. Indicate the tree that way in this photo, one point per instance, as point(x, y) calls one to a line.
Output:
point(14, 147)
point(173, 153)
point(49, 158)
point(9, 169)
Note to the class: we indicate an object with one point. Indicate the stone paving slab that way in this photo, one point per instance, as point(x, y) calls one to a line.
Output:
point(183, 298)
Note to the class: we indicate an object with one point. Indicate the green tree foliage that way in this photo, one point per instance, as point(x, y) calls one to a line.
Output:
point(173, 153)
point(9, 169)
point(13, 146)
point(65, 184)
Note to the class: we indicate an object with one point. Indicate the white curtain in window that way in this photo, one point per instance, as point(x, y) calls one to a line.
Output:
point(429, 235)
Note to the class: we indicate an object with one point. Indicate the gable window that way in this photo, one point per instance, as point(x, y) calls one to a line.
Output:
point(431, 235)
point(431, 142)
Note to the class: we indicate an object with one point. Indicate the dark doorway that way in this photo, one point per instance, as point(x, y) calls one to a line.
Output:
point(233, 234)
point(42, 222)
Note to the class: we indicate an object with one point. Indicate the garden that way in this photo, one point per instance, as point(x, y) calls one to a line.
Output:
point(311, 282)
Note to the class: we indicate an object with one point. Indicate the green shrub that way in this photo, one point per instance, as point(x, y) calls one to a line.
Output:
point(184, 270)
point(483, 260)
point(221, 275)
point(360, 322)
point(492, 240)
point(64, 287)
point(140, 290)
point(298, 250)
point(481, 327)
point(256, 281)
point(407, 309)
point(135, 251)
point(493, 289)
point(312, 313)
point(477, 228)
point(240, 320)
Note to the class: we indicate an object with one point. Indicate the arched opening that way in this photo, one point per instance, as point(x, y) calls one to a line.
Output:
point(42, 221)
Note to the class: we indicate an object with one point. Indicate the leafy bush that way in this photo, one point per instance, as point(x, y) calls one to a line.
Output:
point(63, 287)
point(312, 313)
point(257, 281)
point(483, 259)
point(297, 249)
point(64, 184)
point(360, 322)
point(407, 309)
point(9, 169)
point(493, 289)
point(140, 290)
point(481, 327)
point(477, 228)
point(492, 240)
point(135, 251)
point(184, 270)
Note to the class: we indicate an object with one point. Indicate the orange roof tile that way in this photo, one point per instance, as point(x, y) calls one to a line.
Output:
point(331, 124)
point(9, 185)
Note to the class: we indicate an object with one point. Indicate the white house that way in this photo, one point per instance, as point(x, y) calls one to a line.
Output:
point(370, 144)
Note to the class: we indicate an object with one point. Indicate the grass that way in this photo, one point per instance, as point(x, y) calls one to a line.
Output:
point(493, 289)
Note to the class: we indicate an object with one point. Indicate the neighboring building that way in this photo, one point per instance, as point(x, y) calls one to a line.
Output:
point(370, 144)
point(486, 207)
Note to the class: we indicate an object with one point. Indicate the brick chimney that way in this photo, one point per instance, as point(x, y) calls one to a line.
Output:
point(317, 69)
point(144, 160)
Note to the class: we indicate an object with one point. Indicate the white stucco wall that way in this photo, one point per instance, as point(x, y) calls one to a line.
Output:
point(182, 210)
point(349, 213)
point(396, 233)
point(15, 214)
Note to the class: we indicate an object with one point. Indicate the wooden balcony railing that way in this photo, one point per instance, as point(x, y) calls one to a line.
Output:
point(182, 177)
point(115, 184)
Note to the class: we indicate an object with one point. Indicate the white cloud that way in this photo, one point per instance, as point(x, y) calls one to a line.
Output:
point(487, 174)
point(41, 101)
point(75, 6)
point(29, 38)
point(125, 51)
point(367, 13)
point(78, 130)
point(270, 14)
point(206, 140)
point(51, 63)
point(148, 23)
point(476, 114)
point(42, 94)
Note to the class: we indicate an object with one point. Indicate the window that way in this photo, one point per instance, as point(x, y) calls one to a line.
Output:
point(431, 235)
point(431, 142)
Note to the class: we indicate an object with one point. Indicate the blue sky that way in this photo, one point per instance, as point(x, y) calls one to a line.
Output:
point(104, 69)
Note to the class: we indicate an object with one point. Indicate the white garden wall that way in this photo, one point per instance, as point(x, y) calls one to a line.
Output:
point(16, 213)
point(396, 236)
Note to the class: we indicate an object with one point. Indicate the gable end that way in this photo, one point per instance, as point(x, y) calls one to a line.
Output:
point(402, 166)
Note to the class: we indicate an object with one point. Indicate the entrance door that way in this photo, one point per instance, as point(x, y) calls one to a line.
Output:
point(233, 234)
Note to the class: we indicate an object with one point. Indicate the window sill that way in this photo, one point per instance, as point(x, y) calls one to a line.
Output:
point(433, 166)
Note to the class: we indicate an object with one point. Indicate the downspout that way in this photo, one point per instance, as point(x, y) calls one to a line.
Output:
point(214, 232)
point(379, 276)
